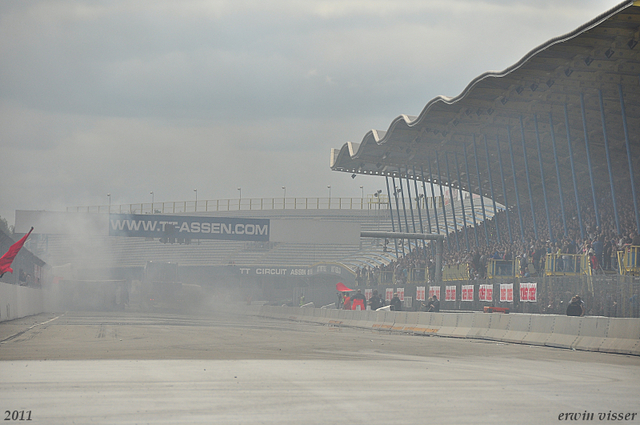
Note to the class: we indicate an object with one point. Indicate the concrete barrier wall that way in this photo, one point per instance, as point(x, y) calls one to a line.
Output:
point(612, 335)
point(19, 301)
point(623, 336)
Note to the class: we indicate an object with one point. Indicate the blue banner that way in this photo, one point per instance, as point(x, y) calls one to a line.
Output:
point(189, 227)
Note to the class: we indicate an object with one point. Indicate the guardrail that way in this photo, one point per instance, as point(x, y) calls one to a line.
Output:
point(629, 261)
point(567, 265)
point(500, 268)
point(455, 272)
point(245, 204)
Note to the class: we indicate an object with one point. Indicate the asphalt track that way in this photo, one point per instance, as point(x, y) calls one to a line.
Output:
point(135, 368)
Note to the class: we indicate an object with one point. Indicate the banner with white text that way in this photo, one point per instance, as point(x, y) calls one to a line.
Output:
point(467, 292)
point(189, 227)
point(506, 292)
point(528, 292)
point(450, 293)
point(420, 293)
point(434, 290)
point(485, 293)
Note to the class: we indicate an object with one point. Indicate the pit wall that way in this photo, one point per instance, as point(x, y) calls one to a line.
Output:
point(603, 334)
point(19, 301)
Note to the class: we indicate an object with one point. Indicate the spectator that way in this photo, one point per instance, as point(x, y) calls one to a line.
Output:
point(396, 304)
point(375, 302)
point(346, 305)
point(434, 304)
point(358, 302)
point(575, 307)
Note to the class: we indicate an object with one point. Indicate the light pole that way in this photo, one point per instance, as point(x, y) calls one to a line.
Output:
point(196, 207)
point(329, 187)
point(284, 196)
point(109, 197)
point(362, 192)
point(152, 199)
point(377, 196)
point(240, 191)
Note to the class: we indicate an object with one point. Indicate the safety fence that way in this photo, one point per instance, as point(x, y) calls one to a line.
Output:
point(610, 335)
point(627, 264)
point(629, 261)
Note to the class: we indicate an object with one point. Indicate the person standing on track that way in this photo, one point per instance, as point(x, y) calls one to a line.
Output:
point(376, 301)
point(359, 302)
point(346, 305)
point(396, 304)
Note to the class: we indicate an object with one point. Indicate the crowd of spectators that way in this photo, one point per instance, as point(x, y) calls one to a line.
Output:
point(599, 240)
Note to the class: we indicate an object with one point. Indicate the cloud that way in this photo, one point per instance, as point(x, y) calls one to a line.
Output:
point(127, 97)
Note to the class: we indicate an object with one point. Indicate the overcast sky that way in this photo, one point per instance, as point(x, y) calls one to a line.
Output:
point(128, 97)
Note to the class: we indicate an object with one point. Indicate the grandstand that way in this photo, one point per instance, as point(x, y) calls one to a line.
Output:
point(553, 137)
point(556, 139)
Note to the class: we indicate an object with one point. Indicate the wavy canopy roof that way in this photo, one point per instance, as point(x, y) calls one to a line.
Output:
point(559, 92)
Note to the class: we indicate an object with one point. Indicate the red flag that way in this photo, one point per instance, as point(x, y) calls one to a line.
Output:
point(7, 259)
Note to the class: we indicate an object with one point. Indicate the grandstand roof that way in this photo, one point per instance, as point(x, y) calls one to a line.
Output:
point(599, 60)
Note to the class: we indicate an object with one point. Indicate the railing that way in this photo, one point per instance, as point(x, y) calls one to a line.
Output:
point(629, 261)
point(555, 265)
point(455, 272)
point(567, 265)
point(246, 204)
point(500, 268)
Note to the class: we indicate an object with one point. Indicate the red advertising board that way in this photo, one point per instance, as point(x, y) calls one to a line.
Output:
point(420, 293)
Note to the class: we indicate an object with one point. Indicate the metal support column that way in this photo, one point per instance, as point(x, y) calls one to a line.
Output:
point(426, 200)
point(586, 143)
point(484, 213)
point(444, 210)
point(435, 199)
point(393, 226)
point(606, 149)
point(515, 183)
point(544, 186)
point(415, 185)
point(526, 169)
point(438, 238)
point(453, 207)
point(404, 208)
point(573, 170)
point(413, 219)
point(426, 203)
point(555, 156)
point(631, 175)
point(504, 188)
point(464, 215)
point(473, 210)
